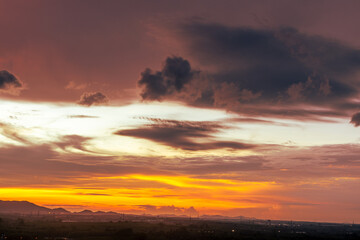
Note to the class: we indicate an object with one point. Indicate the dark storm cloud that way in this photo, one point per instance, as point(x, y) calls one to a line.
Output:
point(275, 63)
point(9, 83)
point(183, 135)
point(175, 74)
point(355, 119)
point(92, 98)
point(269, 72)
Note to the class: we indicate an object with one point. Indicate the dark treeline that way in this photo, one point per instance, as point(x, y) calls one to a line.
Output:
point(27, 228)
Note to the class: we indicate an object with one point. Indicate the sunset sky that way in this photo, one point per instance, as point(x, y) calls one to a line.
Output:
point(237, 108)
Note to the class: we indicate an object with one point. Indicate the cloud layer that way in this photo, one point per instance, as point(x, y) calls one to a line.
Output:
point(9, 83)
point(175, 74)
point(186, 135)
point(269, 72)
point(355, 119)
point(92, 98)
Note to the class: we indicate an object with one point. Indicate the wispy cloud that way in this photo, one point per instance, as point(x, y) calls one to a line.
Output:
point(186, 135)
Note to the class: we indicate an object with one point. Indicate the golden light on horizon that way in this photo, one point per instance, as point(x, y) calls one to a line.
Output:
point(181, 191)
point(70, 154)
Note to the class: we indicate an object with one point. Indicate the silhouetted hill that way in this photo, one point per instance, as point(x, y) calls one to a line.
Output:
point(60, 211)
point(22, 207)
point(25, 207)
point(89, 212)
point(86, 212)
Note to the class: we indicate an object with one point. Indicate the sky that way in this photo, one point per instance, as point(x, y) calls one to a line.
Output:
point(235, 108)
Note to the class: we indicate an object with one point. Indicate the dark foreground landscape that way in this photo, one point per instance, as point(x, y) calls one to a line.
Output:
point(14, 226)
point(22, 220)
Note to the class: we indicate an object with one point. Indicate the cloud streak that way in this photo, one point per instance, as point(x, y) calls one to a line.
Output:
point(12, 133)
point(185, 135)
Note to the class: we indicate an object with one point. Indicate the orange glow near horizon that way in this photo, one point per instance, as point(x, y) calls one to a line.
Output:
point(71, 158)
point(180, 191)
